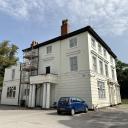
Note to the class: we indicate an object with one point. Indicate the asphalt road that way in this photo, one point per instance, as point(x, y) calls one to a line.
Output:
point(13, 117)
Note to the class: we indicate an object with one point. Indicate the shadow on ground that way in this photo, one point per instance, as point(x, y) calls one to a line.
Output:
point(98, 120)
point(11, 107)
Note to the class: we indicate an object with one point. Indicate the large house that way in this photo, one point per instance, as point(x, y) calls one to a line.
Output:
point(77, 63)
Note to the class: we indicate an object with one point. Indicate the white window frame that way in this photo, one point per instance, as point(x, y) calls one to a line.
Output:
point(106, 70)
point(74, 63)
point(113, 73)
point(94, 63)
point(99, 48)
point(13, 74)
point(105, 52)
point(101, 69)
point(11, 92)
point(111, 59)
point(73, 42)
point(101, 89)
point(49, 49)
point(93, 42)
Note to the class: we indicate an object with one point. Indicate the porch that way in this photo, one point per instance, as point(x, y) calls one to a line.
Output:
point(42, 90)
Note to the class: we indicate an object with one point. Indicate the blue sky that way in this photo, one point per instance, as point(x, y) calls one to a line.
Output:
point(25, 20)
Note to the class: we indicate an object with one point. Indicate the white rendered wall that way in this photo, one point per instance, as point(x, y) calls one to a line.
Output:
point(70, 83)
point(8, 82)
point(97, 76)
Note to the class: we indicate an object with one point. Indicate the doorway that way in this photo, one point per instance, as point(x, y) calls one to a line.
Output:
point(48, 70)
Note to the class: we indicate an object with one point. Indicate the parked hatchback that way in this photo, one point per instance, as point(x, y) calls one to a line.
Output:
point(71, 105)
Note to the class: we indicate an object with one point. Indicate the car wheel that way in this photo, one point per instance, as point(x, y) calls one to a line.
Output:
point(58, 112)
point(86, 110)
point(72, 112)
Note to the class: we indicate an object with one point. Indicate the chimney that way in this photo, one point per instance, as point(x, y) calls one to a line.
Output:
point(64, 27)
point(34, 43)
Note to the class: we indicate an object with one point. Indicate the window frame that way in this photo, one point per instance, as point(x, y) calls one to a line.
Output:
point(49, 49)
point(11, 92)
point(101, 67)
point(13, 73)
point(113, 73)
point(94, 66)
point(72, 63)
point(105, 53)
point(99, 48)
point(93, 42)
point(101, 89)
point(74, 42)
point(111, 59)
point(106, 71)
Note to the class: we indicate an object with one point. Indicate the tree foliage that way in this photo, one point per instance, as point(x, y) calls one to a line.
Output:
point(7, 57)
point(122, 76)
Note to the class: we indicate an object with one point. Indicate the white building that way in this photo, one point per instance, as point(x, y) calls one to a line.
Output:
point(13, 92)
point(78, 64)
point(11, 84)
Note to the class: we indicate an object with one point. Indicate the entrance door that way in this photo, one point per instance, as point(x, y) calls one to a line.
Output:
point(48, 70)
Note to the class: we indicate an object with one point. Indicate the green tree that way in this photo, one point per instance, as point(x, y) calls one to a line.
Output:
point(8, 57)
point(122, 76)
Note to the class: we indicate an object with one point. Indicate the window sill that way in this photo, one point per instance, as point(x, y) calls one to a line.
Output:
point(73, 71)
point(73, 47)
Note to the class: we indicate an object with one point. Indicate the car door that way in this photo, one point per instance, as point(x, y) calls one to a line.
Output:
point(80, 104)
point(74, 105)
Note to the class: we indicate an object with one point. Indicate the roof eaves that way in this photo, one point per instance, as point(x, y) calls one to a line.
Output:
point(87, 28)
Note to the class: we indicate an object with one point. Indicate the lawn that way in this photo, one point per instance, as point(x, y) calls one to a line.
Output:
point(124, 101)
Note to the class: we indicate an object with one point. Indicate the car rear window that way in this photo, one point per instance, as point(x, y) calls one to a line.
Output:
point(64, 99)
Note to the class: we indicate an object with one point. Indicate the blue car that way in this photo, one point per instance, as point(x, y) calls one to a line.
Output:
point(71, 105)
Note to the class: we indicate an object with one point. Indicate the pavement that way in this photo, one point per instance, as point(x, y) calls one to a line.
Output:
point(15, 117)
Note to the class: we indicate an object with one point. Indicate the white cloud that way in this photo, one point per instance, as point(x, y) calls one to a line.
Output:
point(109, 16)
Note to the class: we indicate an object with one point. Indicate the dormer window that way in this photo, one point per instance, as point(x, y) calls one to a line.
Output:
point(73, 42)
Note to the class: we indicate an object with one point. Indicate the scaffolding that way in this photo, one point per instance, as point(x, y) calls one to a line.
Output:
point(29, 66)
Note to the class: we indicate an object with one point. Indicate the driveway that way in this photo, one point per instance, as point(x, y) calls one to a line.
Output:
point(13, 117)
